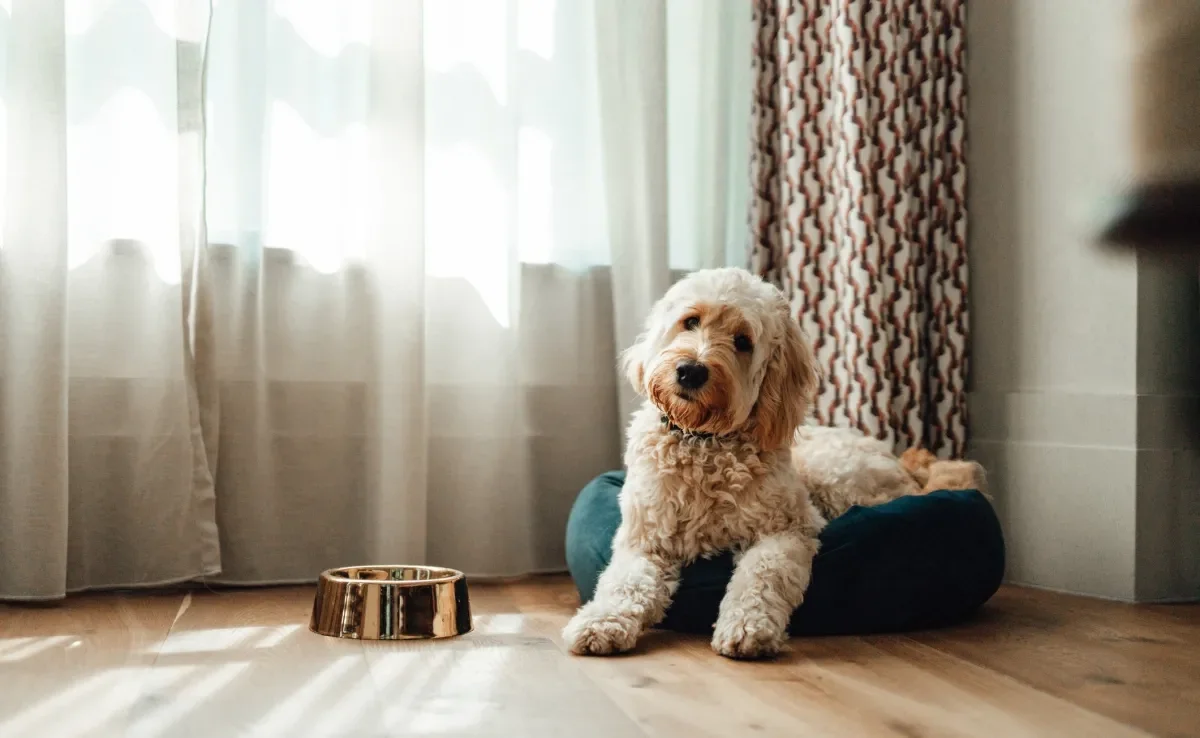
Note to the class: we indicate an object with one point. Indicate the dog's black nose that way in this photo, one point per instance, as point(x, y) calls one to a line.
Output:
point(691, 374)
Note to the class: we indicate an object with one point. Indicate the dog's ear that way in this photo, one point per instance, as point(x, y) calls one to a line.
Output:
point(633, 364)
point(788, 386)
point(634, 358)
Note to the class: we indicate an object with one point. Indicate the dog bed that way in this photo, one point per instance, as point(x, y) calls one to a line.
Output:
point(915, 562)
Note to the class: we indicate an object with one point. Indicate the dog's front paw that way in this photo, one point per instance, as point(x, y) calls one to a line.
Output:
point(597, 635)
point(747, 637)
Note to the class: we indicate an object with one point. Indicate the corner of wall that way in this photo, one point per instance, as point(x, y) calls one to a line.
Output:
point(1168, 430)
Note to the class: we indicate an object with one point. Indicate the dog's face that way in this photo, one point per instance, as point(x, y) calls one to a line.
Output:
point(721, 354)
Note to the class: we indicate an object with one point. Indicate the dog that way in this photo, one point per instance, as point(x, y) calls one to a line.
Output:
point(728, 377)
point(720, 456)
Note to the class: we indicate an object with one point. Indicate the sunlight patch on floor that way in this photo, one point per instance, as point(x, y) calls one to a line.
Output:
point(81, 706)
point(176, 706)
point(282, 719)
point(20, 649)
point(213, 639)
point(508, 622)
point(466, 699)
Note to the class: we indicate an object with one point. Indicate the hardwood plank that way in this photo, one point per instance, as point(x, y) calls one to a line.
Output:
point(504, 679)
point(892, 685)
point(252, 668)
point(668, 685)
point(1133, 663)
point(76, 668)
point(243, 663)
point(881, 685)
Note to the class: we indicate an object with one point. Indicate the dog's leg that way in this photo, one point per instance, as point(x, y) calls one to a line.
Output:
point(768, 585)
point(632, 595)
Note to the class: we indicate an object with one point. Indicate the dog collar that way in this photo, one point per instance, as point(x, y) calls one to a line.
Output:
point(686, 433)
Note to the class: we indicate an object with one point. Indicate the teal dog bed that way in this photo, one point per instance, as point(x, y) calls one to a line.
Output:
point(915, 562)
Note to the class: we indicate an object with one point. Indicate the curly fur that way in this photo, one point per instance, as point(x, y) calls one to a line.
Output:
point(717, 475)
point(843, 468)
point(931, 473)
point(728, 466)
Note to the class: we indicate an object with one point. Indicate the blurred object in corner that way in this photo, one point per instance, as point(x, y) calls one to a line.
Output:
point(1161, 211)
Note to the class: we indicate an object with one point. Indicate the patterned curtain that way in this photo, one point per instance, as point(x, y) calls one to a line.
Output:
point(859, 204)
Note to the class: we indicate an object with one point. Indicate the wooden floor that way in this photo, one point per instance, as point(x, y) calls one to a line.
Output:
point(242, 663)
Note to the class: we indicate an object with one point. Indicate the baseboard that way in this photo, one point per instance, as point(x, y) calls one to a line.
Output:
point(1139, 601)
point(1068, 514)
point(1099, 495)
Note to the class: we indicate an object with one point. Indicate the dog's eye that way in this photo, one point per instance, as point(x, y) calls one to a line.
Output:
point(691, 323)
point(742, 343)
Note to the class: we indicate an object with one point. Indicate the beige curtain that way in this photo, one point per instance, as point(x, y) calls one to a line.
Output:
point(858, 207)
point(288, 285)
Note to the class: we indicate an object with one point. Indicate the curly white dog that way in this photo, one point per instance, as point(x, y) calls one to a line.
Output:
point(728, 378)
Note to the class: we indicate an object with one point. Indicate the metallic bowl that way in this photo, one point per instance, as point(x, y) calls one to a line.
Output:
point(383, 603)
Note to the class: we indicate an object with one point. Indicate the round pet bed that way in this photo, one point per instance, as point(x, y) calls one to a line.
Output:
point(915, 562)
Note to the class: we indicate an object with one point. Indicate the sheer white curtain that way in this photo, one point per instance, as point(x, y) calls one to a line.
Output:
point(294, 284)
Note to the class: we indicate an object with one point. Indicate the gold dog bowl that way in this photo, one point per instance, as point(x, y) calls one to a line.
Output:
point(386, 603)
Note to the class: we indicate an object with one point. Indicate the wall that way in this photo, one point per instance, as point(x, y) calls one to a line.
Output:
point(1082, 372)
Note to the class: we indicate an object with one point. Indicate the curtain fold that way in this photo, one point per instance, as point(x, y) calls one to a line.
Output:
point(33, 283)
point(104, 480)
point(633, 121)
point(858, 207)
point(297, 284)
